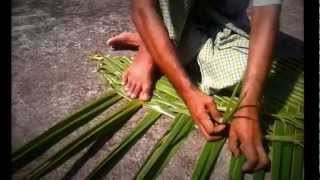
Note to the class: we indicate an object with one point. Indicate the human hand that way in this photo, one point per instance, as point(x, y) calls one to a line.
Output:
point(205, 114)
point(245, 137)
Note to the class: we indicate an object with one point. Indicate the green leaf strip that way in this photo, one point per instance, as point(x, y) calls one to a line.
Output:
point(207, 160)
point(166, 147)
point(115, 156)
point(43, 142)
point(103, 129)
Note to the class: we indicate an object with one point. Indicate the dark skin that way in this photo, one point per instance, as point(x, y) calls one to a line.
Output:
point(245, 126)
point(158, 52)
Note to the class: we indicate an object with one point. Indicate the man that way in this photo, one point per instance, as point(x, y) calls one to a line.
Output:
point(165, 40)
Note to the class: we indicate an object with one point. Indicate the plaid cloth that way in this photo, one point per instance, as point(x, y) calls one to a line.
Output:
point(220, 48)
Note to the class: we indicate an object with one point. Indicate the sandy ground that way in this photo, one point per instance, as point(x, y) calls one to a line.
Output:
point(52, 77)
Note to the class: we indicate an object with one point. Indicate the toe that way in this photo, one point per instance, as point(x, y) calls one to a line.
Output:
point(124, 40)
point(145, 97)
point(136, 91)
point(131, 90)
point(127, 87)
point(120, 37)
point(145, 93)
point(125, 78)
point(109, 41)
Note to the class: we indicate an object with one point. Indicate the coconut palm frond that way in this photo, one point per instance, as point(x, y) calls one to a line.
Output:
point(283, 100)
point(166, 147)
point(43, 142)
point(259, 175)
point(282, 114)
point(207, 160)
point(106, 128)
point(235, 168)
point(297, 163)
point(211, 150)
point(113, 157)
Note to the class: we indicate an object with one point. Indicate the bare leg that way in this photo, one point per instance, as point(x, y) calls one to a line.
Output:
point(139, 78)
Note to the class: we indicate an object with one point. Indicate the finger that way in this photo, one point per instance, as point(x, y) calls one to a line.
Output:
point(233, 143)
point(219, 128)
point(263, 157)
point(249, 151)
point(208, 136)
point(215, 115)
point(206, 122)
point(210, 127)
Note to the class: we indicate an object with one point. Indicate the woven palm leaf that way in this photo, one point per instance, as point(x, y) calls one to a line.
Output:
point(282, 117)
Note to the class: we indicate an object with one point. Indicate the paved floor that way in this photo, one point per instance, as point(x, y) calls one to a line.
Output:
point(51, 77)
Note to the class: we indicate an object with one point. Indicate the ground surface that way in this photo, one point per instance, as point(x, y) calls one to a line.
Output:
point(51, 77)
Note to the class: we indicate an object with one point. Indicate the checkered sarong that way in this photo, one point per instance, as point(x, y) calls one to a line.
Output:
point(222, 55)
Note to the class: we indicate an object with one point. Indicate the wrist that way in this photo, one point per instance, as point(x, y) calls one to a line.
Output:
point(248, 111)
point(251, 96)
point(252, 103)
point(187, 92)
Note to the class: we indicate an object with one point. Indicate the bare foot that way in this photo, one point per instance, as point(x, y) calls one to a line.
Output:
point(125, 40)
point(138, 79)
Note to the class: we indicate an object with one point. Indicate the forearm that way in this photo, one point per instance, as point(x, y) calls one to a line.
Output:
point(264, 28)
point(156, 39)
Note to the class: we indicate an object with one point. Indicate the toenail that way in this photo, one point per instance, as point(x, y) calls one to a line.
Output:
point(145, 97)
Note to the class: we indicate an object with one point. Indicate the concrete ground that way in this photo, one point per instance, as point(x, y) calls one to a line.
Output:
point(52, 77)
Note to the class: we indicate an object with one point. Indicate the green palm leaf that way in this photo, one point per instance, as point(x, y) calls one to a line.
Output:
point(106, 128)
point(283, 100)
point(166, 147)
point(43, 142)
point(108, 163)
point(235, 169)
point(283, 109)
point(276, 152)
point(297, 163)
point(211, 150)
point(259, 175)
point(286, 155)
point(207, 160)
